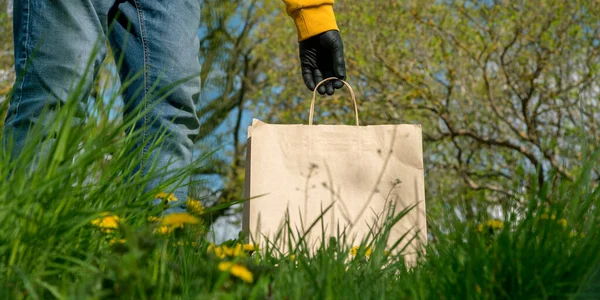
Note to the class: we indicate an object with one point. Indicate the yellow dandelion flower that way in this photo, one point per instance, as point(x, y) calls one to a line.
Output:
point(153, 219)
point(250, 247)
point(178, 220)
point(186, 243)
point(171, 222)
point(194, 206)
point(292, 257)
point(216, 250)
point(495, 224)
point(164, 229)
point(545, 216)
point(233, 251)
point(162, 195)
point(562, 222)
point(107, 223)
point(116, 241)
point(225, 266)
point(354, 251)
point(491, 225)
point(166, 197)
point(226, 251)
point(237, 270)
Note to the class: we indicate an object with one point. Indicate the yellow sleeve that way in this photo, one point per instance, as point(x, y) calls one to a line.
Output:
point(311, 16)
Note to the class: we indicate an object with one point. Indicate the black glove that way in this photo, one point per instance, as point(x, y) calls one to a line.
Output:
point(322, 56)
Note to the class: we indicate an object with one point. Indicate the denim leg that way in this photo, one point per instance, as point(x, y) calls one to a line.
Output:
point(159, 38)
point(54, 41)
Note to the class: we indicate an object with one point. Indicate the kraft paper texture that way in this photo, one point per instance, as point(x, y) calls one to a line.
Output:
point(294, 172)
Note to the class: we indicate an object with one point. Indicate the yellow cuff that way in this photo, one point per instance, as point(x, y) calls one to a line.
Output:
point(311, 21)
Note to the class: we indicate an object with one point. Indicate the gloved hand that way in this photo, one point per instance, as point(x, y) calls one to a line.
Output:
point(322, 56)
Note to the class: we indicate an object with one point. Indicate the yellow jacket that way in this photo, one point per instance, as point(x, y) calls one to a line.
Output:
point(311, 16)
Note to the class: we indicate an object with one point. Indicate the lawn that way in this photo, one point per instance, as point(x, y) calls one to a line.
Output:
point(78, 226)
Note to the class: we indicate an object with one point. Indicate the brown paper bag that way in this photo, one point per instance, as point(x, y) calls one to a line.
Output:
point(295, 172)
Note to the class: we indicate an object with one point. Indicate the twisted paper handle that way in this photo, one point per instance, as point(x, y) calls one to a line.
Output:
point(312, 102)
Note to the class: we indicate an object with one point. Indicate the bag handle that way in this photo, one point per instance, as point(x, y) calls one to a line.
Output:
point(312, 102)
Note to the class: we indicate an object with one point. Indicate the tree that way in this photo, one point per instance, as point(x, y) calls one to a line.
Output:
point(506, 91)
point(231, 72)
point(6, 56)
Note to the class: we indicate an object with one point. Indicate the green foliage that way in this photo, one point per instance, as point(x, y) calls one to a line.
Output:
point(77, 226)
point(495, 84)
point(6, 58)
point(6, 47)
point(231, 73)
point(52, 244)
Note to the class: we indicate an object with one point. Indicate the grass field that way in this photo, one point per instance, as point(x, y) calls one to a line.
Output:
point(78, 227)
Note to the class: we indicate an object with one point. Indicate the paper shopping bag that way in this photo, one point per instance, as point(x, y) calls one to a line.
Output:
point(318, 181)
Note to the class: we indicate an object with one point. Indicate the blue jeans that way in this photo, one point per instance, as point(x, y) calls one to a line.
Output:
point(158, 42)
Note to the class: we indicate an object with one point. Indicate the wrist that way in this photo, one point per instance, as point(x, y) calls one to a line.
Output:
point(311, 21)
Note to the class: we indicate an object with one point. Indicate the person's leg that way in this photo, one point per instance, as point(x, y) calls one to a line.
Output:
point(54, 40)
point(159, 38)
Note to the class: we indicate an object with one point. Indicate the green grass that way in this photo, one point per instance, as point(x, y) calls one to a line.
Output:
point(50, 249)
